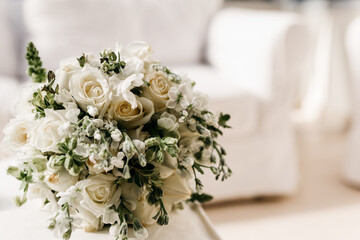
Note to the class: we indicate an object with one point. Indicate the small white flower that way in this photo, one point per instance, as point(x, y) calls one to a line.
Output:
point(199, 100)
point(178, 97)
point(93, 111)
point(72, 114)
point(187, 162)
point(139, 231)
point(119, 230)
point(210, 119)
point(206, 154)
point(116, 135)
point(69, 196)
point(140, 145)
point(65, 129)
point(64, 96)
point(98, 122)
point(97, 135)
point(168, 122)
point(124, 89)
point(110, 216)
point(133, 65)
point(116, 162)
point(128, 148)
point(62, 225)
point(81, 150)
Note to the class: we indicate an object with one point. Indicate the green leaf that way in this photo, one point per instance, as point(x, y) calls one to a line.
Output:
point(111, 63)
point(223, 120)
point(202, 198)
point(82, 60)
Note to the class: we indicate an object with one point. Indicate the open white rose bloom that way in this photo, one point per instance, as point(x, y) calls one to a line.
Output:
point(116, 140)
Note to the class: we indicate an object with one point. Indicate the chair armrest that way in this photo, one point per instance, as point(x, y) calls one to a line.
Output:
point(260, 51)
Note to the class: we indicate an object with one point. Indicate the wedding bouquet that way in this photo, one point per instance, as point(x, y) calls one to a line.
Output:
point(116, 140)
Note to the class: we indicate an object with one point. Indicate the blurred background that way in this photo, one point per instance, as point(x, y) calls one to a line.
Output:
point(288, 71)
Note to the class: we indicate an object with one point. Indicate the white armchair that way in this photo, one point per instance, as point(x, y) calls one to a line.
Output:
point(259, 57)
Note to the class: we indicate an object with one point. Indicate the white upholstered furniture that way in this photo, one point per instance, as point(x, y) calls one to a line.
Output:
point(247, 61)
point(352, 161)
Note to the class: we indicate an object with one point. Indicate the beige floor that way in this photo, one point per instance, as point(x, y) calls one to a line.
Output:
point(322, 194)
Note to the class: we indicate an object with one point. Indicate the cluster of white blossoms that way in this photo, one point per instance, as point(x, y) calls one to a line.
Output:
point(114, 140)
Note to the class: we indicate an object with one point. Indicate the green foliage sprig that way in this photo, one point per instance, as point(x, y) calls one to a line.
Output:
point(111, 62)
point(25, 176)
point(35, 70)
point(82, 60)
point(209, 133)
point(44, 98)
point(157, 147)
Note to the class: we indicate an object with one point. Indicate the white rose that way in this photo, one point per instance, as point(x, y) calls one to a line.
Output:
point(98, 192)
point(45, 134)
point(138, 49)
point(18, 134)
point(68, 67)
point(90, 223)
point(89, 87)
point(132, 194)
point(158, 89)
point(176, 189)
point(164, 171)
point(127, 117)
point(145, 213)
point(59, 181)
point(83, 217)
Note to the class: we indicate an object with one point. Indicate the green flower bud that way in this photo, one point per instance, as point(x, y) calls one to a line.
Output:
point(170, 141)
point(173, 151)
point(126, 172)
point(159, 157)
point(215, 170)
point(150, 142)
point(128, 148)
point(142, 160)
